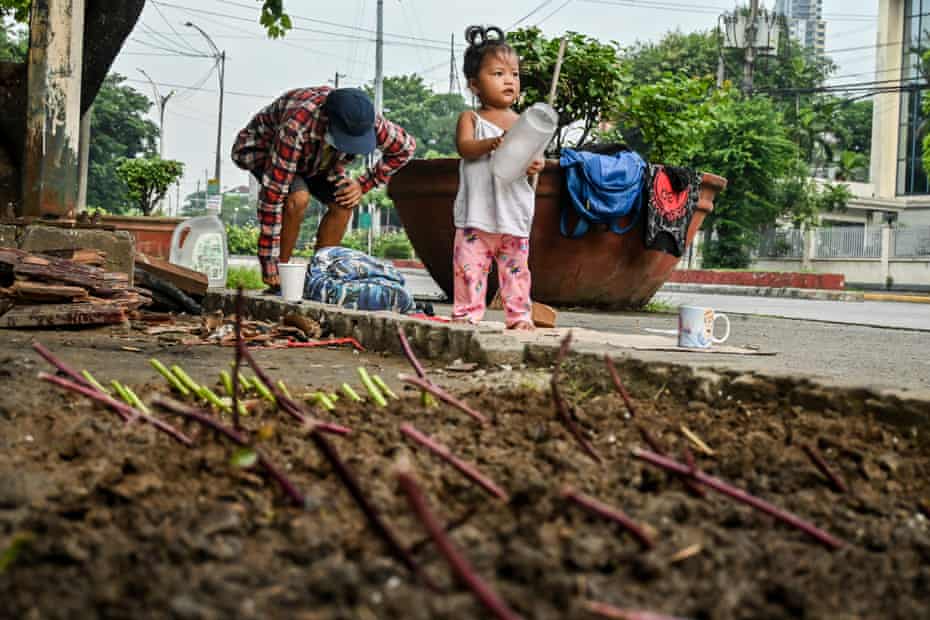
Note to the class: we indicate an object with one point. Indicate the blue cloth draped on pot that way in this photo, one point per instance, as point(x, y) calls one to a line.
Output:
point(602, 189)
point(354, 280)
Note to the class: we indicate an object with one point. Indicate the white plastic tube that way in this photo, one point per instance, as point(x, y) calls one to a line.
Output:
point(525, 141)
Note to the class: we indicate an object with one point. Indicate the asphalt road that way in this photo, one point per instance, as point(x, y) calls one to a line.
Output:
point(871, 313)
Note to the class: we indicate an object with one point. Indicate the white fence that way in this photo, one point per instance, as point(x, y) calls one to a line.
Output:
point(848, 242)
point(781, 243)
point(868, 256)
point(910, 242)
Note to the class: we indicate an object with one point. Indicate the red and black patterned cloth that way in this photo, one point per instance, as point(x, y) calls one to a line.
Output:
point(288, 138)
point(673, 195)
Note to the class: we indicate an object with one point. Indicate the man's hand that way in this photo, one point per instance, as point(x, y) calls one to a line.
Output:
point(349, 194)
point(536, 167)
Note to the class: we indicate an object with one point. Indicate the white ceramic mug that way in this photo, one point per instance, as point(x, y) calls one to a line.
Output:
point(292, 280)
point(696, 327)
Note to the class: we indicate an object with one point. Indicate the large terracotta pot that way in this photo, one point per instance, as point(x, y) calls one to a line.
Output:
point(152, 234)
point(601, 269)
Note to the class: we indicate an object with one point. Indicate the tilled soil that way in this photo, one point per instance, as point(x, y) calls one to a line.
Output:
point(121, 522)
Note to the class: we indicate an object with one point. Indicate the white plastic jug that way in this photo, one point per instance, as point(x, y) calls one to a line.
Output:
point(200, 244)
point(525, 141)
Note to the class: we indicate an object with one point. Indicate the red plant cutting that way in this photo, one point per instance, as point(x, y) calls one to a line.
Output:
point(380, 528)
point(814, 455)
point(561, 407)
point(650, 440)
point(739, 495)
point(615, 613)
point(127, 413)
point(467, 469)
point(237, 363)
point(619, 385)
point(201, 417)
point(49, 357)
point(611, 514)
point(460, 566)
point(408, 352)
point(444, 396)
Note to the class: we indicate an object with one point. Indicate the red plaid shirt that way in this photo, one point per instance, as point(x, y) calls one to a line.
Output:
point(286, 139)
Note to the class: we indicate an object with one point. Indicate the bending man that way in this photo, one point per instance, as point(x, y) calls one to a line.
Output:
point(300, 145)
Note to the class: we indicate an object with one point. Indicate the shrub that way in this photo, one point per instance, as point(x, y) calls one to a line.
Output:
point(246, 277)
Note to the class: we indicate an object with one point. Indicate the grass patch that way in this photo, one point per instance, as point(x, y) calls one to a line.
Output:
point(659, 307)
point(246, 277)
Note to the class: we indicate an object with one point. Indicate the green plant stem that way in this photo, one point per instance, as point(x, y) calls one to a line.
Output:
point(283, 388)
point(324, 401)
point(135, 400)
point(226, 380)
point(184, 378)
point(371, 387)
point(263, 390)
point(169, 376)
point(121, 392)
point(93, 381)
point(347, 389)
point(384, 387)
point(210, 396)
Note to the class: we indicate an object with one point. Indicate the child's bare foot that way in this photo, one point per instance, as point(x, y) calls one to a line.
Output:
point(523, 326)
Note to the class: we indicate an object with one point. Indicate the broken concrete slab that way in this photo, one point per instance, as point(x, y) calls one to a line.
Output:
point(119, 246)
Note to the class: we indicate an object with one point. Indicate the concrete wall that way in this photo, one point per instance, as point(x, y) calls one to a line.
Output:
point(911, 273)
point(887, 112)
point(856, 270)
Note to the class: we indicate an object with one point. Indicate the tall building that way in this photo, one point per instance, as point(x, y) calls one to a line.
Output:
point(805, 22)
point(899, 181)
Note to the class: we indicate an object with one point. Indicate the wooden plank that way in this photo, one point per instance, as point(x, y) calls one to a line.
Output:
point(190, 281)
point(37, 291)
point(60, 315)
point(84, 256)
point(75, 277)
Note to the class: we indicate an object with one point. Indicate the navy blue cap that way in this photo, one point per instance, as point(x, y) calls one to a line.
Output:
point(351, 120)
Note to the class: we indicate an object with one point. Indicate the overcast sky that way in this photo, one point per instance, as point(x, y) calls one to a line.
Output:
point(338, 36)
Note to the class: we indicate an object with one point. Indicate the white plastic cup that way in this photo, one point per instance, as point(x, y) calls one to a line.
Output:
point(525, 141)
point(292, 280)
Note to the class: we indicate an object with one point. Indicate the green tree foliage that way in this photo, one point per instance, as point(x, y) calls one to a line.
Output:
point(696, 54)
point(119, 130)
point(14, 44)
point(274, 19)
point(428, 116)
point(590, 81)
point(148, 179)
point(16, 9)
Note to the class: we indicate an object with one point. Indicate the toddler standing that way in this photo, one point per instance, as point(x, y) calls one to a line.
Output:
point(492, 219)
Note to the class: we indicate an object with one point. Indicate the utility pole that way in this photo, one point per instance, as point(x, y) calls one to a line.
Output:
point(162, 103)
point(220, 58)
point(452, 64)
point(84, 163)
point(379, 61)
point(748, 66)
point(335, 81)
point(379, 105)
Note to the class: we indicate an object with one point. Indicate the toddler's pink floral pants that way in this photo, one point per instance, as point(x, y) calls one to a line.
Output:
point(474, 250)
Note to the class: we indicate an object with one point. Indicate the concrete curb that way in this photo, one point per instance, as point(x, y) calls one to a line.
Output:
point(763, 291)
point(488, 345)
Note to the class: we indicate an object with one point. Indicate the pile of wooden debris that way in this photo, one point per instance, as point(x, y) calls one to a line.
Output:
point(64, 288)
point(214, 328)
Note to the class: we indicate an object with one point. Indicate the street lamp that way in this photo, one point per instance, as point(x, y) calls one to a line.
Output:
point(220, 57)
point(162, 103)
point(756, 31)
